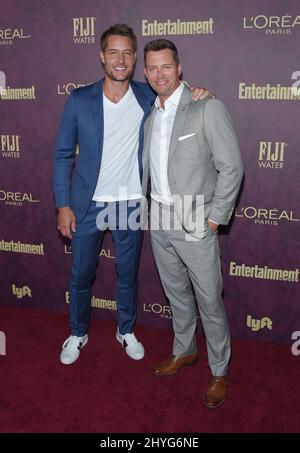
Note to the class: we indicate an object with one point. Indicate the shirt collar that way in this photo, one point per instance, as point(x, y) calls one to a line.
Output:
point(173, 100)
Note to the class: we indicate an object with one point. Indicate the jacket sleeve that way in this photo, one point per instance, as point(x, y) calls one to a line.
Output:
point(64, 158)
point(224, 145)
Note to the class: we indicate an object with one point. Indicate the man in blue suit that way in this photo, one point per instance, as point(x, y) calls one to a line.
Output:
point(106, 119)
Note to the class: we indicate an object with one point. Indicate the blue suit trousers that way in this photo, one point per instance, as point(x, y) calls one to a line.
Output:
point(86, 244)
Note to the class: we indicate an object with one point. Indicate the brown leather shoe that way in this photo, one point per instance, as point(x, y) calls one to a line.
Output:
point(173, 364)
point(215, 392)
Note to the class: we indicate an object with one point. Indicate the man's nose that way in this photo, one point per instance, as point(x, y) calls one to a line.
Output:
point(121, 58)
point(160, 73)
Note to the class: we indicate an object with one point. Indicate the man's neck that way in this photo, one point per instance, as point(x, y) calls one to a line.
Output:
point(114, 90)
point(162, 99)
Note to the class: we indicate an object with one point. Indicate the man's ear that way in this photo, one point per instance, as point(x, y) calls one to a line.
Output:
point(179, 69)
point(102, 57)
point(145, 72)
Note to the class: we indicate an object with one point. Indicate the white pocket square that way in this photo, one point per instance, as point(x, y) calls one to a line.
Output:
point(183, 137)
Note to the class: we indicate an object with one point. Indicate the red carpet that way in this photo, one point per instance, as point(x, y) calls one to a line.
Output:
point(106, 391)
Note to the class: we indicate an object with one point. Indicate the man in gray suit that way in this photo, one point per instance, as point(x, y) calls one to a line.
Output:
point(191, 155)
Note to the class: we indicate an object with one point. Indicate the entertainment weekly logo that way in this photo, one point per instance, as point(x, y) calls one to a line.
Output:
point(272, 92)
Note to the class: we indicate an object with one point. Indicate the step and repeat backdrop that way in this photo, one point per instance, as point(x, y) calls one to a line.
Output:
point(245, 52)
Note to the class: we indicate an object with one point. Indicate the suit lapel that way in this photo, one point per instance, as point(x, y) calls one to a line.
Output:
point(97, 108)
point(146, 152)
point(141, 98)
point(179, 121)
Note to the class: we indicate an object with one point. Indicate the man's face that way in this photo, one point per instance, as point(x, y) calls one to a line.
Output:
point(162, 72)
point(118, 58)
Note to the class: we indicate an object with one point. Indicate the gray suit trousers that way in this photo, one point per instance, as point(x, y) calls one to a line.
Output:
point(191, 268)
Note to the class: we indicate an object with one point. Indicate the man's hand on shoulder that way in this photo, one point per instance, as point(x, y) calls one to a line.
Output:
point(200, 92)
point(66, 221)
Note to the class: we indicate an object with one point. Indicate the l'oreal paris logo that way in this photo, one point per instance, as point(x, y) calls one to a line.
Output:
point(272, 25)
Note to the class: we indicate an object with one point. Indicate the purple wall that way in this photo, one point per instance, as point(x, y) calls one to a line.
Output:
point(244, 43)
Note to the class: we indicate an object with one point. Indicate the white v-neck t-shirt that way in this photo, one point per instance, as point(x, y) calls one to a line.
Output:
point(119, 177)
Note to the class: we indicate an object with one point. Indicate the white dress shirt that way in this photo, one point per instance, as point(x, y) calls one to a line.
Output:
point(159, 148)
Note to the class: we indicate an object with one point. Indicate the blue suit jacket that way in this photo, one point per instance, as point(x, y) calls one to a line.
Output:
point(82, 123)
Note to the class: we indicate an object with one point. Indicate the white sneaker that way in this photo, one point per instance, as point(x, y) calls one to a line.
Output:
point(134, 348)
point(71, 349)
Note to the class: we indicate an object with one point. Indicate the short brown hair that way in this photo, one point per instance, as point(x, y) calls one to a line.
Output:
point(118, 30)
point(161, 44)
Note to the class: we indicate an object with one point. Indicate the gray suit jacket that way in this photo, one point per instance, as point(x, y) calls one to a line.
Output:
point(204, 162)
